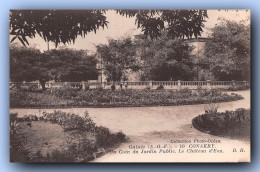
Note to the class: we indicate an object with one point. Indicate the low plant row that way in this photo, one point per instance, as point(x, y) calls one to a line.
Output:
point(70, 97)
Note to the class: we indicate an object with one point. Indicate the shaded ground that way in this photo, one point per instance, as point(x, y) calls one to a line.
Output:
point(44, 137)
point(160, 125)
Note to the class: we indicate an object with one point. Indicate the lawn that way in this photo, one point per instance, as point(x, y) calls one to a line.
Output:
point(71, 97)
point(59, 137)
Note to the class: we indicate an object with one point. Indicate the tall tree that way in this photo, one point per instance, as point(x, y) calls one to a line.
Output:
point(28, 64)
point(229, 51)
point(166, 59)
point(71, 65)
point(63, 26)
point(177, 23)
point(58, 26)
point(117, 57)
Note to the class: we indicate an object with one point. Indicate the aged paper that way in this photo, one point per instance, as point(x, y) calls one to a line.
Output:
point(163, 86)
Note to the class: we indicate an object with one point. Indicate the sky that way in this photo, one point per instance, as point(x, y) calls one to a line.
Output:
point(120, 26)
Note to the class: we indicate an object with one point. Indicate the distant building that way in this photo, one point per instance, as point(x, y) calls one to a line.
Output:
point(203, 70)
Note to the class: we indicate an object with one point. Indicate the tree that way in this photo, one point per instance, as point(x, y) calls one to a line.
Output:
point(29, 64)
point(117, 57)
point(58, 26)
point(71, 65)
point(26, 64)
point(229, 51)
point(166, 59)
point(63, 26)
point(177, 23)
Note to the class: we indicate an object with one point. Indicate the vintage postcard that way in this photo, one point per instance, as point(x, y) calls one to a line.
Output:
point(151, 86)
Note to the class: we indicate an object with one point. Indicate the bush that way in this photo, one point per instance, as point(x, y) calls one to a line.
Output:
point(160, 87)
point(100, 89)
point(239, 87)
point(77, 152)
point(185, 92)
point(216, 92)
point(70, 121)
point(203, 93)
point(65, 92)
point(121, 136)
point(113, 87)
point(105, 139)
point(147, 88)
point(32, 87)
point(223, 123)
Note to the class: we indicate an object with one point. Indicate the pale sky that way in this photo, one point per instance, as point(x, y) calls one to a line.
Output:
point(120, 26)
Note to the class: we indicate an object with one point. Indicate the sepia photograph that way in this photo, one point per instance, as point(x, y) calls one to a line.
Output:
point(130, 86)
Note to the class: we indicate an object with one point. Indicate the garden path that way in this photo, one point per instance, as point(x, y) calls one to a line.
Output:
point(159, 126)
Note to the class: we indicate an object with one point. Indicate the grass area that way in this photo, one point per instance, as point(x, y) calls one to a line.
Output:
point(232, 124)
point(59, 137)
point(70, 97)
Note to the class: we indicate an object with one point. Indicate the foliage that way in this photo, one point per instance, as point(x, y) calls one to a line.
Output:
point(148, 88)
point(186, 92)
point(71, 65)
point(71, 121)
point(160, 87)
point(64, 26)
point(106, 139)
point(117, 57)
point(65, 92)
point(28, 64)
point(84, 140)
point(58, 26)
point(83, 151)
point(239, 87)
point(113, 87)
point(211, 108)
point(165, 59)
point(117, 98)
point(17, 140)
point(178, 23)
point(231, 44)
point(228, 123)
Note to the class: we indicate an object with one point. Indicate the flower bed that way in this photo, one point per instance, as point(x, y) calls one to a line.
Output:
point(61, 98)
point(239, 87)
point(229, 123)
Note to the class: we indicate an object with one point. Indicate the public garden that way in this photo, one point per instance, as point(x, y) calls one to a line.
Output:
point(160, 82)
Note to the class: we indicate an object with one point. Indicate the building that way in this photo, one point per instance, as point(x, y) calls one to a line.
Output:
point(203, 70)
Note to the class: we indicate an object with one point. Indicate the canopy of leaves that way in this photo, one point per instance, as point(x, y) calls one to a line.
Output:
point(229, 51)
point(58, 26)
point(117, 57)
point(28, 64)
point(71, 65)
point(177, 23)
point(63, 26)
point(166, 59)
